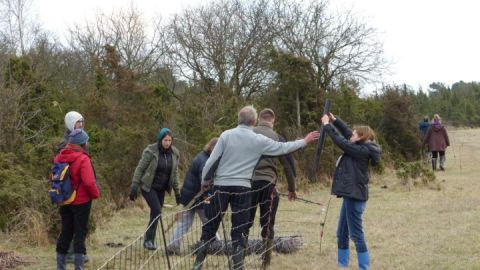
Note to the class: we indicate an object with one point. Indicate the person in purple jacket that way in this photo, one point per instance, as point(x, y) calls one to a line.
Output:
point(437, 141)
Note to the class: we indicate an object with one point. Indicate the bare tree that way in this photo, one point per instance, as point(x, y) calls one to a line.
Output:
point(126, 31)
point(17, 27)
point(224, 44)
point(339, 45)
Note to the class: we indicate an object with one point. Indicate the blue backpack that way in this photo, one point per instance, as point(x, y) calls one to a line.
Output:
point(61, 190)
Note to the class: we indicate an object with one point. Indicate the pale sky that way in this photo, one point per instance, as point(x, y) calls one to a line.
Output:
point(426, 40)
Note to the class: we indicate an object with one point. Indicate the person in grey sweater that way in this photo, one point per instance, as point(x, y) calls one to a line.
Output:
point(229, 171)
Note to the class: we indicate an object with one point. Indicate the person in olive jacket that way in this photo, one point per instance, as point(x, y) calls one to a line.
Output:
point(350, 182)
point(156, 172)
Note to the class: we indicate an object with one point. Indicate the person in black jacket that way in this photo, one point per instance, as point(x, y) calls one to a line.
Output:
point(351, 183)
point(190, 199)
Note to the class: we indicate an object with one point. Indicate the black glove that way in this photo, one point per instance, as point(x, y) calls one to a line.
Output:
point(177, 199)
point(133, 193)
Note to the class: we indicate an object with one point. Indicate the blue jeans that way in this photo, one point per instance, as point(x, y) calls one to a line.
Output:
point(184, 224)
point(239, 199)
point(350, 224)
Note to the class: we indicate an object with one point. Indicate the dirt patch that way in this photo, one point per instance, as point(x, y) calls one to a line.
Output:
point(9, 260)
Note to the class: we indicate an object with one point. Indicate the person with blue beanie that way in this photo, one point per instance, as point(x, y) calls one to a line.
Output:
point(155, 174)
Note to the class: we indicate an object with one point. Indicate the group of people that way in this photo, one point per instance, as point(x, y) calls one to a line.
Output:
point(237, 169)
point(435, 137)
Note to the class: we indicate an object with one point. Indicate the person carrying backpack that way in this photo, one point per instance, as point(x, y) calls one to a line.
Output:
point(75, 215)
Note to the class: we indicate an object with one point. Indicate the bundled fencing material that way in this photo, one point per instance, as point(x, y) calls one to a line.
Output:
point(284, 244)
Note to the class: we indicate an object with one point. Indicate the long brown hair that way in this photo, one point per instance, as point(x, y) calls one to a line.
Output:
point(365, 133)
point(210, 145)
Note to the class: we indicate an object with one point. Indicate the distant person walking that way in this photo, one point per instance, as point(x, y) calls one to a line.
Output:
point(156, 173)
point(437, 140)
point(423, 126)
point(264, 192)
point(350, 182)
point(230, 168)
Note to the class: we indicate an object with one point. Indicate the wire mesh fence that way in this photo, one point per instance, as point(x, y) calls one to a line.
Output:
point(177, 238)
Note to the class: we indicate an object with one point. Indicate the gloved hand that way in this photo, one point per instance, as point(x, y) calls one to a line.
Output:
point(177, 199)
point(133, 193)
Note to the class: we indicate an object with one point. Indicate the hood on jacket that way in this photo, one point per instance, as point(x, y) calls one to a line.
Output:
point(68, 155)
point(375, 153)
point(437, 127)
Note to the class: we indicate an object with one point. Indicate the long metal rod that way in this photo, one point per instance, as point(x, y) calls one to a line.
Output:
point(321, 139)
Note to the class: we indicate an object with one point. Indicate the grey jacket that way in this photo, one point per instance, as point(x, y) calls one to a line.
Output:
point(266, 169)
point(236, 154)
point(145, 171)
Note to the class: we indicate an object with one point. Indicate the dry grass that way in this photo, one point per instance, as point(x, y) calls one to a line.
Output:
point(417, 229)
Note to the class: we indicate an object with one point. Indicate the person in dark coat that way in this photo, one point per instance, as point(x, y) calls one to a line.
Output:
point(350, 182)
point(75, 215)
point(423, 126)
point(156, 173)
point(437, 141)
point(190, 199)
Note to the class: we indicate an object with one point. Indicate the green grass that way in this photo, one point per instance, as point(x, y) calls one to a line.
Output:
point(420, 228)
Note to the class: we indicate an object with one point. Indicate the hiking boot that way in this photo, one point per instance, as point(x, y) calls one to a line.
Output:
point(171, 250)
point(267, 247)
point(237, 258)
point(149, 245)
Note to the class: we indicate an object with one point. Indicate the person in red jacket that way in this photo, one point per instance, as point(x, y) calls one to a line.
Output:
point(75, 215)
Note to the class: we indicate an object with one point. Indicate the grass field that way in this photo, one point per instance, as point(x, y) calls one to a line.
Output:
point(406, 228)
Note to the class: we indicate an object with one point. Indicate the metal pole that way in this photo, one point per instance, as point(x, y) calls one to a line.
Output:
point(321, 139)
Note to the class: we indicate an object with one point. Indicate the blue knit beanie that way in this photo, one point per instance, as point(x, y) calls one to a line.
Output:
point(78, 136)
point(162, 133)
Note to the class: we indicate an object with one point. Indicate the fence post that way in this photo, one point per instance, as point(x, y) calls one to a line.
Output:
point(164, 242)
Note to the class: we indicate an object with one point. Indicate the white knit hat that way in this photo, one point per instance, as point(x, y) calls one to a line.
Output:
point(71, 118)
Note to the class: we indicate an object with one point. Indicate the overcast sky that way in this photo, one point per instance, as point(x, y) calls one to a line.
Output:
point(426, 40)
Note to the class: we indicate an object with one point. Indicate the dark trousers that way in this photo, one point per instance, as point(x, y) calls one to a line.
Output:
point(264, 195)
point(239, 199)
point(155, 201)
point(74, 226)
point(435, 154)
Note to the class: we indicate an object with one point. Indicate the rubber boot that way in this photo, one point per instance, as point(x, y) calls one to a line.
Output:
point(61, 261)
point(363, 261)
point(237, 257)
point(343, 258)
point(267, 247)
point(442, 163)
point(434, 164)
point(78, 260)
point(201, 255)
